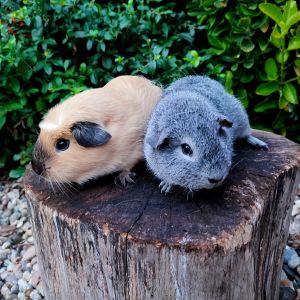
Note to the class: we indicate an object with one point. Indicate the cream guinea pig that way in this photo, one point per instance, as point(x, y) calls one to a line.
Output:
point(96, 132)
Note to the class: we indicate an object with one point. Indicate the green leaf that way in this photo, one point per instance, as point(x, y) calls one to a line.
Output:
point(265, 105)
point(271, 69)
point(294, 43)
point(67, 63)
point(80, 34)
point(246, 44)
point(267, 89)
point(89, 44)
point(289, 10)
point(290, 93)
point(40, 105)
point(82, 68)
point(283, 103)
point(2, 120)
point(106, 62)
point(297, 62)
point(276, 38)
point(48, 69)
point(15, 85)
point(17, 173)
point(38, 22)
point(282, 57)
point(150, 68)
point(293, 19)
point(272, 11)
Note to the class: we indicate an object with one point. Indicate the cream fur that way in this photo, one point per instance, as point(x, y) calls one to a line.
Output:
point(122, 107)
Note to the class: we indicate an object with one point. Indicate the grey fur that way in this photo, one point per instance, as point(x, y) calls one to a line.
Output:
point(197, 111)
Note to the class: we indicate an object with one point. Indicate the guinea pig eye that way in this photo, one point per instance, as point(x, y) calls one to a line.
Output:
point(186, 149)
point(62, 144)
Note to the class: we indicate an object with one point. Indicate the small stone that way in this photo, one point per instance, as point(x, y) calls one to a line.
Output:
point(11, 278)
point(30, 240)
point(287, 293)
point(14, 217)
point(298, 269)
point(283, 275)
point(40, 288)
point(35, 295)
point(16, 238)
point(14, 289)
point(295, 285)
point(5, 291)
point(294, 261)
point(6, 245)
point(35, 279)
point(23, 285)
point(3, 275)
point(286, 283)
point(11, 267)
point(29, 253)
point(14, 194)
point(26, 276)
point(4, 253)
point(288, 253)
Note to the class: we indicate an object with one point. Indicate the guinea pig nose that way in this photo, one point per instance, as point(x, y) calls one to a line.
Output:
point(214, 180)
point(37, 166)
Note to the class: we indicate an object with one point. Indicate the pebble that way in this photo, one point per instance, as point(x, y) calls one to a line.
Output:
point(5, 291)
point(6, 245)
point(35, 295)
point(14, 217)
point(23, 285)
point(14, 289)
point(294, 261)
point(19, 278)
point(29, 254)
point(288, 253)
point(287, 293)
point(4, 253)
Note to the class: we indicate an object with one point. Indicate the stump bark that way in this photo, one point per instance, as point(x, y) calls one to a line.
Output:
point(108, 242)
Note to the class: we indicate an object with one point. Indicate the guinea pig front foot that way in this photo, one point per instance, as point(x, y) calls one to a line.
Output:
point(165, 187)
point(125, 177)
point(253, 141)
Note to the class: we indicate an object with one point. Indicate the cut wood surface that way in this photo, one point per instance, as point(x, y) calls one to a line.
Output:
point(109, 242)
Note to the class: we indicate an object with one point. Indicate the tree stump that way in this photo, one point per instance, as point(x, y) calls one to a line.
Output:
point(108, 242)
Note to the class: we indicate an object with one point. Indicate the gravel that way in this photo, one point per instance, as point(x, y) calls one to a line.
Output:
point(19, 272)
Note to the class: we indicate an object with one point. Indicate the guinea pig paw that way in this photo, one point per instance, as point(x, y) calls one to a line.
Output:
point(165, 187)
point(125, 177)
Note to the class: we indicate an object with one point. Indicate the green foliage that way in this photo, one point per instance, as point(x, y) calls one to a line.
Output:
point(257, 44)
point(51, 51)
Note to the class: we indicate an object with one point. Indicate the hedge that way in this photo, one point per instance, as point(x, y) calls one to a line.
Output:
point(49, 51)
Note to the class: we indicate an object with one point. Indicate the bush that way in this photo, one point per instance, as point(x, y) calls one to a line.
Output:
point(49, 52)
point(257, 58)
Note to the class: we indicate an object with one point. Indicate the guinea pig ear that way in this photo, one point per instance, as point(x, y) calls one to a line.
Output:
point(156, 140)
point(88, 134)
point(224, 122)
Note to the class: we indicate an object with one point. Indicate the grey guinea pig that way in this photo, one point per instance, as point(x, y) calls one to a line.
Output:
point(96, 132)
point(190, 135)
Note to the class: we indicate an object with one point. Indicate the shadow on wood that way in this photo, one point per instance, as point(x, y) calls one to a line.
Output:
point(108, 242)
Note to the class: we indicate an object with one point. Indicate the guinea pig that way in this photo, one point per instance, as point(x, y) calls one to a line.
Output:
point(190, 135)
point(96, 132)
